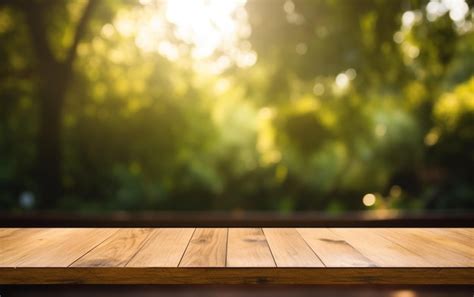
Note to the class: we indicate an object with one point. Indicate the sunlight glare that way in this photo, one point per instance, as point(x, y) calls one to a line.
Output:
point(206, 24)
point(458, 9)
point(342, 81)
point(213, 31)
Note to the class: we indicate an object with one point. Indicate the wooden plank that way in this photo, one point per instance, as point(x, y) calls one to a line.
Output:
point(164, 248)
point(425, 247)
point(56, 247)
point(19, 236)
point(404, 256)
point(332, 249)
point(448, 240)
point(6, 232)
point(247, 247)
point(238, 276)
point(117, 250)
point(207, 248)
point(468, 232)
point(451, 233)
point(15, 244)
point(22, 243)
point(289, 249)
point(465, 235)
point(381, 251)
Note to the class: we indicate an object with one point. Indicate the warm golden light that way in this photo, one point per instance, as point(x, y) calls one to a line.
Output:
point(369, 199)
point(212, 32)
point(404, 293)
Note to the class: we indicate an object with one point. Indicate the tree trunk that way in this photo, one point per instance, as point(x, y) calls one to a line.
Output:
point(49, 168)
point(54, 76)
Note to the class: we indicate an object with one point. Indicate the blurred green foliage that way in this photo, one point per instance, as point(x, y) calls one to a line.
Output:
point(345, 98)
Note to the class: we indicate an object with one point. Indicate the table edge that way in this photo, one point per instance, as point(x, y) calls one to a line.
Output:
point(236, 276)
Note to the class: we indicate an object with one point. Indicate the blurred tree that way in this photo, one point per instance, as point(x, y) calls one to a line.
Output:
point(53, 75)
point(278, 104)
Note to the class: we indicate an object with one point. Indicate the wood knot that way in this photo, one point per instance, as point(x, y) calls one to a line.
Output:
point(332, 240)
point(253, 240)
point(200, 240)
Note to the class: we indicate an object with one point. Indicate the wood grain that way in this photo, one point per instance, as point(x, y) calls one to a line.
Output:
point(239, 276)
point(11, 237)
point(117, 250)
point(7, 232)
point(53, 247)
point(468, 232)
point(207, 248)
point(23, 243)
point(435, 253)
point(461, 246)
point(383, 252)
point(289, 249)
point(452, 234)
point(247, 247)
point(164, 248)
point(332, 249)
point(426, 256)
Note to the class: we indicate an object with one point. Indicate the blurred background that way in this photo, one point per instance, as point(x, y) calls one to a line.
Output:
point(285, 106)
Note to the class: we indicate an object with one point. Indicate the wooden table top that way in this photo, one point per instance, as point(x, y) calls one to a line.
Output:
point(237, 256)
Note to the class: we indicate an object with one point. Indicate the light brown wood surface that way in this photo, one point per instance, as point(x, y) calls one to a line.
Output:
point(334, 250)
point(237, 256)
point(115, 251)
point(248, 247)
point(168, 243)
point(290, 249)
point(207, 248)
point(438, 254)
point(380, 250)
point(51, 247)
